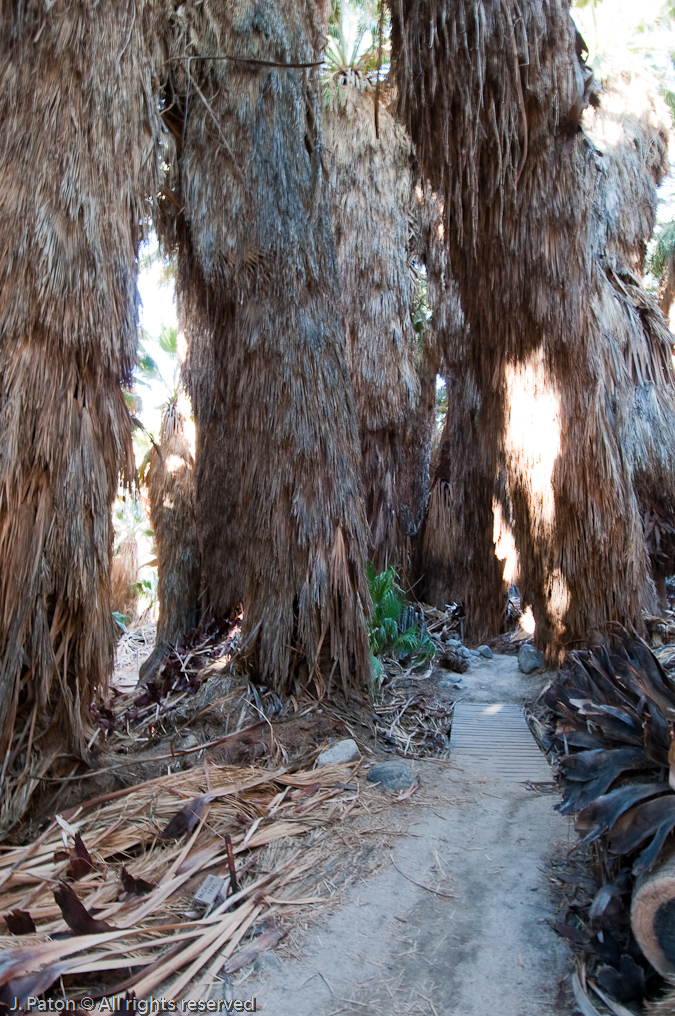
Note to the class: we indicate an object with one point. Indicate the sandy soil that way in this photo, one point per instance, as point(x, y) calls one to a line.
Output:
point(480, 944)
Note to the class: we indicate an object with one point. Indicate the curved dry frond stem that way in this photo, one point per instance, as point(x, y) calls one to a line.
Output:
point(278, 498)
point(77, 165)
point(171, 500)
point(373, 201)
point(500, 140)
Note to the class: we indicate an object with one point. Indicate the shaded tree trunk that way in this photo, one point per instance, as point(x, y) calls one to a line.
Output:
point(77, 163)
point(170, 485)
point(373, 197)
point(278, 498)
point(493, 107)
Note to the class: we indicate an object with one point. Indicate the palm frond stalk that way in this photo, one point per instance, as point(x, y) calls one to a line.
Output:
point(278, 504)
point(77, 164)
point(372, 188)
point(170, 486)
point(493, 104)
point(612, 709)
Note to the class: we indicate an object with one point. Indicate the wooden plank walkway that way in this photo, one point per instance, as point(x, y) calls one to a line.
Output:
point(496, 741)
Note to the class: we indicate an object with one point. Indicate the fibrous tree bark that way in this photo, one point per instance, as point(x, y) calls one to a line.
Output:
point(492, 93)
point(457, 560)
point(279, 505)
point(171, 501)
point(372, 189)
point(78, 158)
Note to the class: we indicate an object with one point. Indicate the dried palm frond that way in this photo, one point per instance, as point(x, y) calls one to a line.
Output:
point(138, 859)
point(170, 485)
point(616, 704)
point(78, 164)
point(278, 502)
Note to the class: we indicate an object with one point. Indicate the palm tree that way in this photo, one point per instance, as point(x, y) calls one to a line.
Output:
point(278, 504)
point(372, 187)
point(456, 551)
point(78, 158)
point(170, 486)
point(502, 147)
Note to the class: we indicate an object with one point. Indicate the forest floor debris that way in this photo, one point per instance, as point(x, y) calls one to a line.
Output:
point(104, 902)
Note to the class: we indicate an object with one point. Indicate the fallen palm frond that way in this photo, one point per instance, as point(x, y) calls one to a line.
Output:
point(413, 720)
point(133, 648)
point(614, 707)
point(138, 890)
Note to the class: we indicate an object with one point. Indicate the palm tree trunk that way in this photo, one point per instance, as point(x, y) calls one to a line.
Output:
point(170, 485)
point(278, 498)
point(77, 162)
point(373, 201)
point(493, 105)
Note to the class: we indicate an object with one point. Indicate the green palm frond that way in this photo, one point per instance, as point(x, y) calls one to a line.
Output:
point(386, 622)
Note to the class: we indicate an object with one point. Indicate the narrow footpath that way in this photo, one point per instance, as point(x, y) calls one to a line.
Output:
point(480, 943)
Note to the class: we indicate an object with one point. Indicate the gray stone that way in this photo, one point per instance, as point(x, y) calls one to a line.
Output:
point(463, 651)
point(342, 751)
point(393, 775)
point(452, 682)
point(474, 652)
point(485, 651)
point(530, 659)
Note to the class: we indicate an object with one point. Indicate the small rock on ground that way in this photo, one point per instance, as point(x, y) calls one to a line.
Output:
point(393, 775)
point(485, 651)
point(530, 659)
point(343, 751)
point(452, 682)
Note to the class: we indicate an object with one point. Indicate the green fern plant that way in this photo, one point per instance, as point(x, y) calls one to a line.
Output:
point(388, 629)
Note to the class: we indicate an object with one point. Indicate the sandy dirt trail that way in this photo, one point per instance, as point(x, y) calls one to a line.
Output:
point(484, 948)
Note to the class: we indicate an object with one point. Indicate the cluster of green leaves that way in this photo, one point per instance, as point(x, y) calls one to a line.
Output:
point(662, 254)
point(353, 34)
point(386, 631)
